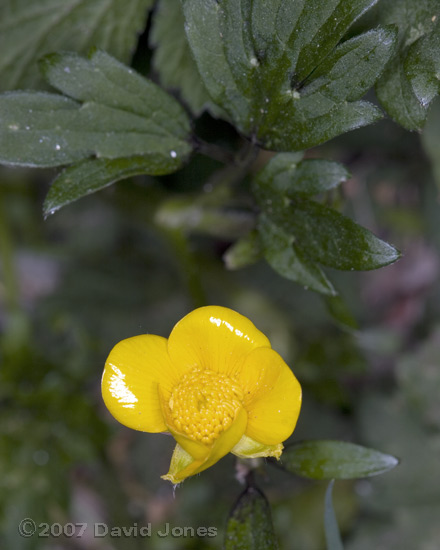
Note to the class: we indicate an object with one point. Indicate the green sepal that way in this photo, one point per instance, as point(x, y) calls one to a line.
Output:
point(179, 462)
point(249, 448)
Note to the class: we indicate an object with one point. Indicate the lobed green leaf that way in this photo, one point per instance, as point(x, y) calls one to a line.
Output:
point(122, 115)
point(249, 525)
point(297, 36)
point(327, 459)
point(272, 67)
point(28, 30)
point(102, 79)
point(43, 130)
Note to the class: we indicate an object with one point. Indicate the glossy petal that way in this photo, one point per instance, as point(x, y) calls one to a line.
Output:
point(272, 396)
point(215, 338)
point(184, 465)
point(133, 372)
point(249, 448)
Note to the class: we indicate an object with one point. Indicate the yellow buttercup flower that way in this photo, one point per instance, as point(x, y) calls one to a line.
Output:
point(215, 384)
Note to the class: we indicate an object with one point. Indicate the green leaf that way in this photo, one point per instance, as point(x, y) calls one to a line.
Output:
point(102, 79)
point(299, 35)
point(326, 459)
point(353, 67)
point(122, 115)
point(397, 96)
point(92, 175)
point(246, 251)
point(261, 62)
point(332, 239)
point(288, 260)
point(172, 58)
point(249, 525)
point(275, 180)
point(332, 535)
point(28, 30)
point(296, 127)
point(203, 28)
point(394, 89)
point(422, 66)
point(287, 174)
point(318, 176)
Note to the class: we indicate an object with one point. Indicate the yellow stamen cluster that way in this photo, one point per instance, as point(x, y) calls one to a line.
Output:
point(204, 403)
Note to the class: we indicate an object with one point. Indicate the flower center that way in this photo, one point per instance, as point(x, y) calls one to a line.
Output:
point(204, 404)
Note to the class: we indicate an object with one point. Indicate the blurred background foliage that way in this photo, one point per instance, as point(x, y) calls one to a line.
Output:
point(107, 267)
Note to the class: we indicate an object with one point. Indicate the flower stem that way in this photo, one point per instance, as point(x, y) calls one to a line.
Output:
point(10, 279)
point(188, 266)
point(17, 331)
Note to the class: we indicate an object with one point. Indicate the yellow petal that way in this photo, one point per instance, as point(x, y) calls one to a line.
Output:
point(272, 396)
point(183, 464)
point(133, 371)
point(215, 338)
point(249, 448)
